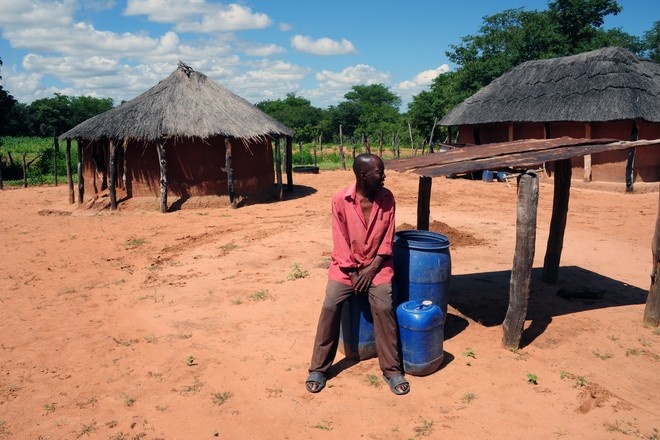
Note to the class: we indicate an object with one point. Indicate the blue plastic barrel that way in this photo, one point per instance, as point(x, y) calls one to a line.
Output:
point(422, 333)
point(357, 340)
point(422, 267)
point(487, 176)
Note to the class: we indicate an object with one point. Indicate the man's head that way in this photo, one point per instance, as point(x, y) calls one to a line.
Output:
point(369, 172)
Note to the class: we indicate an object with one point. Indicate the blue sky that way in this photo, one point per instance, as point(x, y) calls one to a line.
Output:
point(259, 49)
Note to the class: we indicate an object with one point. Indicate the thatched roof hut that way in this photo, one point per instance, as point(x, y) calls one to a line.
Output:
point(195, 126)
point(608, 84)
point(606, 93)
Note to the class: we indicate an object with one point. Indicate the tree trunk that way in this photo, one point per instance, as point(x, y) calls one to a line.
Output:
point(435, 122)
point(412, 143)
point(69, 177)
point(555, 245)
point(523, 259)
point(163, 175)
point(652, 309)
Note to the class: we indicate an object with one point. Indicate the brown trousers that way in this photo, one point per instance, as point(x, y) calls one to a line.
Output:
point(385, 330)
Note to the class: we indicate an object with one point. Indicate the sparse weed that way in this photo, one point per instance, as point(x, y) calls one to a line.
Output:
point(603, 356)
point(297, 273)
point(373, 380)
point(237, 301)
point(86, 429)
point(532, 379)
point(581, 381)
point(425, 429)
point(259, 295)
point(192, 389)
point(132, 243)
point(614, 338)
point(128, 400)
point(221, 398)
point(274, 392)
point(50, 407)
point(324, 425)
point(468, 397)
point(632, 352)
point(469, 352)
point(644, 342)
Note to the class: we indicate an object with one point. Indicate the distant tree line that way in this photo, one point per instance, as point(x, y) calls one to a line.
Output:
point(370, 114)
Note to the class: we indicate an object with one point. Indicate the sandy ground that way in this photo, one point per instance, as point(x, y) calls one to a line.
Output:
point(199, 323)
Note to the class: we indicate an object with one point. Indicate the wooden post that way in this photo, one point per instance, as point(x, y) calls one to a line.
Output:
point(113, 174)
point(555, 245)
point(652, 309)
point(380, 144)
point(79, 170)
point(435, 122)
point(163, 175)
point(587, 158)
point(341, 149)
point(424, 203)
point(24, 171)
point(278, 168)
point(69, 177)
point(523, 259)
point(289, 163)
point(230, 174)
point(510, 131)
point(56, 147)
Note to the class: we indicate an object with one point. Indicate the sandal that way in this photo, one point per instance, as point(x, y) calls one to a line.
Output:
point(315, 382)
point(398, 384)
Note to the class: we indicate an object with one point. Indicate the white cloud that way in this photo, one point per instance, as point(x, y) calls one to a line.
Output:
point(265, 50)
point(18, 14)
point(358, 74)
point(424, 78)
point(322, 46)
point(167, 11)
point(285, 27)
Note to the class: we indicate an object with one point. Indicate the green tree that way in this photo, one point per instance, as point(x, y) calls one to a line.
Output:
point(651, 43)
point(295, 112)
point(7, 103)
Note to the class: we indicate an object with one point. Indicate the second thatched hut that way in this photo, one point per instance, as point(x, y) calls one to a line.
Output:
point(186, 136)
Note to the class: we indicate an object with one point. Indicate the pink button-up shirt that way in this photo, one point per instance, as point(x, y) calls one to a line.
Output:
point(357, 240)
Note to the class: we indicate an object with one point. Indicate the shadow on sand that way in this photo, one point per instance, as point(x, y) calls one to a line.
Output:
point(484, 297)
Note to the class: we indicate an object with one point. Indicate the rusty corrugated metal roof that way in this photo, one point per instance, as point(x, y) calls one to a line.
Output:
point(523, 154)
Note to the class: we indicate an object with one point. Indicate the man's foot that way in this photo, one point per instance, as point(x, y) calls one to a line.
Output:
point(398, 384)
point(315, 382)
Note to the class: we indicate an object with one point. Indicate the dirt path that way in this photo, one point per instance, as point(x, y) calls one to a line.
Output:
point(199, 323)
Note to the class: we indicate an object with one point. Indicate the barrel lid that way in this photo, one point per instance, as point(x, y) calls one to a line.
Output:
point(427, 303)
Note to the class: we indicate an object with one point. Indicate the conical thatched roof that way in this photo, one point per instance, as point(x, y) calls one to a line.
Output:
point(602, 85)
point(185, 104)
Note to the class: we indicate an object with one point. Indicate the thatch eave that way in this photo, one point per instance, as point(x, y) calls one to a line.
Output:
point(187, 104)
point(604, 85)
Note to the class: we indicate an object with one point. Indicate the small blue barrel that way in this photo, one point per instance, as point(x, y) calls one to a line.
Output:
point(422, 332)
point(422, 267)
point(487, 176)
point(357, 340)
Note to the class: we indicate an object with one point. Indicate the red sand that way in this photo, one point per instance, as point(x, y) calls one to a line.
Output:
point(139, 325)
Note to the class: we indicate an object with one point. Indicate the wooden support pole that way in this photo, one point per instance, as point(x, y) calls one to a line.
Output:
point(652, 309)
point(289, 163)
point(341, 149)
point(56, 148)
point(230, 174)
point(69, 177)
point(278, 169)
point(112, 145)
point(79, 170)
point(555, 245)
point(163, 175)
point(523, 259)
point(424, 203)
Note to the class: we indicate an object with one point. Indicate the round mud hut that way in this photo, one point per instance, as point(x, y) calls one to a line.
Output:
point(608, 93)
point(186, 136)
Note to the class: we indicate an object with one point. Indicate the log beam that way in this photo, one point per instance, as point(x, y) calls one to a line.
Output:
point(163, 175)
point(562, 190)
point(523, 259)
point(652, 308)
point(113, 174)
point(69, 176)
point(424, 203)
